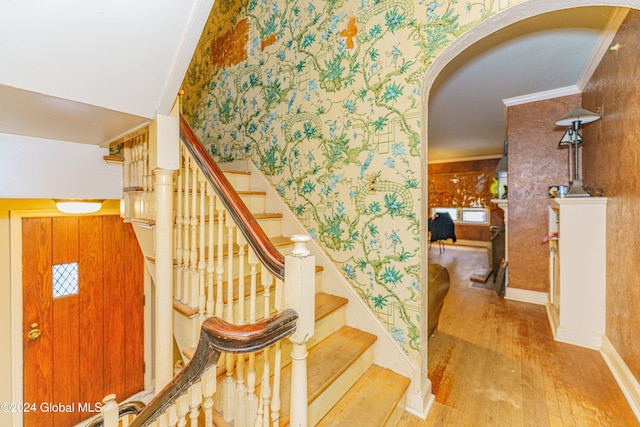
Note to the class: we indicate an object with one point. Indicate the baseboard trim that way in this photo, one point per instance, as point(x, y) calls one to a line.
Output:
point(580, 338)
point(523, 295)
point(623, 375)
point(415, 401)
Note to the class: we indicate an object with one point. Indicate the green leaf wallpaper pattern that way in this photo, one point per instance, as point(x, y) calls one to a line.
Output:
point(327, 104)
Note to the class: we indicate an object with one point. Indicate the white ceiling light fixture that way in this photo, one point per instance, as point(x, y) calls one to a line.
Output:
point(78, 206)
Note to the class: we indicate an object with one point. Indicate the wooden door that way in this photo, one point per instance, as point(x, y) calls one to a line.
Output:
point(83, 299)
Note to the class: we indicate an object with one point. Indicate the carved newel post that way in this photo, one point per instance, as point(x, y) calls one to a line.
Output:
point(300, 295)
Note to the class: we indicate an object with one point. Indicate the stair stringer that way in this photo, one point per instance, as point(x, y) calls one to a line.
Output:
point(145, 234)
point(387, 353)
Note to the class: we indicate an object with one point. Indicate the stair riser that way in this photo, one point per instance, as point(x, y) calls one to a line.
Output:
point(239, 181)
point(146, 238)
point(394, 419)
point(332, 394)
point(184, 329)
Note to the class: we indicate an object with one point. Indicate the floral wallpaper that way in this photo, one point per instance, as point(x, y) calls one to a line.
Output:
point(324, 96)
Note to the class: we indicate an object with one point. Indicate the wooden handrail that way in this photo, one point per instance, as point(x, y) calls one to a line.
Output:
point(256, 237)
point(217, 336)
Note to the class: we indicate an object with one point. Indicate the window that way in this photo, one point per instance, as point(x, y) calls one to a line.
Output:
point(474, 215)
point(479, 216)
point(65, 279)
point(451, 211)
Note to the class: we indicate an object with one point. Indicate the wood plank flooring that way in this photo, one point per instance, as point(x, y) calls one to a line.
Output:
point(493, 362)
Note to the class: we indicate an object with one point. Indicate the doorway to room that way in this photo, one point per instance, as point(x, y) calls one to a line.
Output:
point(83, 302)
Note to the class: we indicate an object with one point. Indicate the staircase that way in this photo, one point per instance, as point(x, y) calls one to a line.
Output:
point(344, 386)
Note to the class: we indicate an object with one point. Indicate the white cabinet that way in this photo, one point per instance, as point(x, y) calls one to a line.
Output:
point(577, 305)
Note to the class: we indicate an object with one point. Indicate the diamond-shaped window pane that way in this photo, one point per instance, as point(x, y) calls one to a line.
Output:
point(65, 279)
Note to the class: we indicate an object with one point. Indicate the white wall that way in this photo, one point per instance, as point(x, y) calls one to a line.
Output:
point(40, 168)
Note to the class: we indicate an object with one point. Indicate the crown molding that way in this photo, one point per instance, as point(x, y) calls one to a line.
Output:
point(605, 40)
point(465, 159)
point(541, 96)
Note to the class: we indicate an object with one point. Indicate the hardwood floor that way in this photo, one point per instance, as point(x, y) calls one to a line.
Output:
point(493, 362)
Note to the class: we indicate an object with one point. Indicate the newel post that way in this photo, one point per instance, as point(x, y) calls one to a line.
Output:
point(299, 294)
point(164, 160)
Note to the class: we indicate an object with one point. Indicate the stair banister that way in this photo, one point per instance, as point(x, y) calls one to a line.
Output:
point(216, 337)
point(201, 210)
point(256, 237)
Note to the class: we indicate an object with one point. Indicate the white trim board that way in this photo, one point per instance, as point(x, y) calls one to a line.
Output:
point(541, 96)
point(524, 295)
point(605, 40)
point(623, 375)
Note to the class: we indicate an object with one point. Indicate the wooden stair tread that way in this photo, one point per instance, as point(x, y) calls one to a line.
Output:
point(327, 361)
point(370, 402)
point(327, 304)
point(185, 308)
point(114, 160)
point(235, 172)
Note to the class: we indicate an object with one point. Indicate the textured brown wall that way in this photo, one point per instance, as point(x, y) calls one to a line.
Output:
point(612, 162)
point(478, 172)
point(535, 163)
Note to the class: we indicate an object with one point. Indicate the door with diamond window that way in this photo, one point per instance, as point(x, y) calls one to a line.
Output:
point(82, 280)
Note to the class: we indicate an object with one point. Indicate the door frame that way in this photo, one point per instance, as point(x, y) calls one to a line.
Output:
point(17, 361)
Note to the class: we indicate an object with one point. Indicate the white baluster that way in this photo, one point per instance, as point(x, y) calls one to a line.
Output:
point(210, 260)
point(133, 150)
point(242, 245)
point(182, 409)
point(262, 418)
point(185, 232)
point(229, 382)
point(241, 389)
point(150, 182)
point(172, 416)
point(140, 168)
point(220, 263)
point(134, 209)
point(279, 295)
point(251, 405)
point(230, 241)
point(144, 144)
point(265, 391)
point(178, 228)
point(209, 382)
point(202, 264)
point(277, 372)
point(267, 281)
point(195, 401)
point(193, 226)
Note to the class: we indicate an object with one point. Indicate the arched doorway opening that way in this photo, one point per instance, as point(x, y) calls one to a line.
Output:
point(523, 11)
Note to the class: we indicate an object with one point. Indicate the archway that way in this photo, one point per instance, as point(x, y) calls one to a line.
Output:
point(525, 10)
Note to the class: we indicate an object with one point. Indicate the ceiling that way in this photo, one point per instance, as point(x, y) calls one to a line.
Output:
point(90, 71)
point(550, 52)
